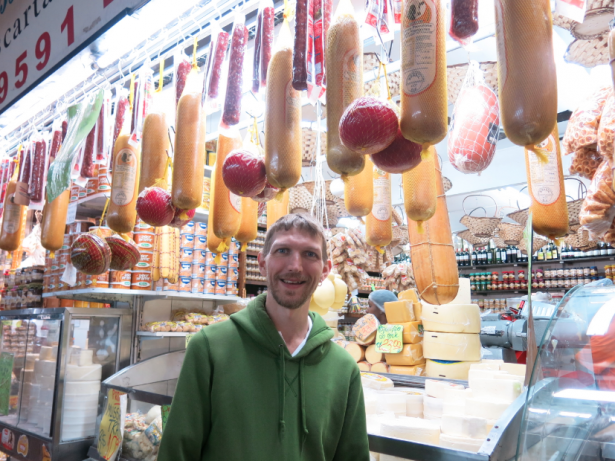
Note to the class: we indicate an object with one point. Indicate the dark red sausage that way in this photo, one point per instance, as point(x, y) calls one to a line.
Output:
point(55, 145)
point(87, 164)
point(120, 115)
point(266, 42)
point(464, 19)
point(256, 81)
point(232, 102)
point(216, 65)
point(100, 154)
point(24, 170)
point(38, 172)
point(64, 129)
point(135, 104)
point(301, 46)
point(183, 69)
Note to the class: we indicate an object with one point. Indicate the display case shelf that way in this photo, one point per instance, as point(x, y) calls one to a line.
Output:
point(108, 295)
point(541, 263)
point(523, 292)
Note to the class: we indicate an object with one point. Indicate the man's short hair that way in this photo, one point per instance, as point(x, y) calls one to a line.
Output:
point(300, 221)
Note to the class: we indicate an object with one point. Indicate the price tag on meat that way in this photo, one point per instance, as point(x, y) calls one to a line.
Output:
point(389, 339)
point(36, 36)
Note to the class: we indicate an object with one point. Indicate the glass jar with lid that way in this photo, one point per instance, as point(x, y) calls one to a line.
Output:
point(521, 275)
point(593, 271)
point(495, 276)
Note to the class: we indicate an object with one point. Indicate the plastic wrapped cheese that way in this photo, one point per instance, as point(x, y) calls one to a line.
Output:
point(411, 354)
point(394, 402)
point(416, 370)
point(436, 388)
point(451, 318)
point(365, 329)
point(483, 408)
point(413, 332)
point(452, 346)
point(374, 381)
point(413, 429)
point(399, 312)
point(505, 390)
point(372, 356)
point(464, 426)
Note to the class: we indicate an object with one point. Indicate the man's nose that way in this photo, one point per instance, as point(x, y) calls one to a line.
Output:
point(294, 262)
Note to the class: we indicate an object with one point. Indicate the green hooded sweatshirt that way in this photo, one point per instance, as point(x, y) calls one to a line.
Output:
point(241, 396)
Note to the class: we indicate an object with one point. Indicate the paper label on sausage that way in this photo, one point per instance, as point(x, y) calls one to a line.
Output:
point(544, 177)
point(500, 41)
point(382, 195)
point(235, 201)
point(419, 32)
point(124, 177)
point(12, 218)
point(350, 75)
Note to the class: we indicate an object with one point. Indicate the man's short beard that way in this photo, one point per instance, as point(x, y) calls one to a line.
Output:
point(281, 302)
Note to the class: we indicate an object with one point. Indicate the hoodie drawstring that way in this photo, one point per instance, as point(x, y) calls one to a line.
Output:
point(282, 371)
point(303, 412)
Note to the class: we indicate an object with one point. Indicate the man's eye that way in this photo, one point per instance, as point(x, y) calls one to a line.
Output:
point(282, 250)
point(311, 254)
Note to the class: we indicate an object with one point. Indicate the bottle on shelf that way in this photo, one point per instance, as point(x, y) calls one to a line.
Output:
point(473, 257)
point(489, 254)
point(541, 255)
point(610, 250)
point(549, 253)
point(555, 252)
point(504, 256)
point(603, 249)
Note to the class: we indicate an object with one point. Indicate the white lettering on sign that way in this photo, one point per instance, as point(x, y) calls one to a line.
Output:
point(37, 35)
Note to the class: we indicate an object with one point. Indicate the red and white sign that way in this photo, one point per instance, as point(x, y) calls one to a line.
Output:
point(38, 36)
point(572, 9)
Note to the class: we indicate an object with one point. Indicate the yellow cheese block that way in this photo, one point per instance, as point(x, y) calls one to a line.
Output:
point(371, 356)
point(451, 346)
point(355, 350)
point(411, 354)
point(399, 312)
point(380, 367)
point(418, 311)
point(364, 366)
point(451, 318)
point(413, 332)
point(408, 295)
point(416, 370)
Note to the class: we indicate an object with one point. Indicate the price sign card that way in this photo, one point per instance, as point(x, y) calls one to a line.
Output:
point(389, 339)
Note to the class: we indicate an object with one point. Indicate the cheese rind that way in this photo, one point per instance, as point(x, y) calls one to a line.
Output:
point(413, 332)
point(399, 312)
point(355, 350)
point(416, 370)
point(414, 429)
point(364, 366)
point(371, 356)
point(411, 354)
point(451, 346)
point(447, 369)
point(452, 318)
point(380, 367)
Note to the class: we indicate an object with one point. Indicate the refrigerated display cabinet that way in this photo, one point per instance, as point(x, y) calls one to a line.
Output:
point(52, 363)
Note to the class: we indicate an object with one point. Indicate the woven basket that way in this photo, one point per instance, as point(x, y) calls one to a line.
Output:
point(480, 227)
point(300, 199)
point(329, 197)
point(537, 244)
point(499, 243)
point(471, 238)
point(447, 184)
point(588, 53)
point(510, 233)
point(308, 141)
point(519, 216)
point(332, 215)
point(592, 5)
point(456, 74)
point(574, 208)
point(579, 239)
point(400, 235)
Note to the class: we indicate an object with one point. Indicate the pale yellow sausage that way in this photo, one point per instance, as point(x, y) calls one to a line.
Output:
point(378, 223)
point(359, 191)
point(154, 148)
point(277, 208)
point(12, 221)
point(226, 212)
point(248, 229)
point(419, 186)
point(122, 212)
point(54, 222)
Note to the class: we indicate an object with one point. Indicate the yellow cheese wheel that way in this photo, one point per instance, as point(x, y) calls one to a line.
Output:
point(411, 354)
point(371, 356)
point(380, 367)
point(415, 370)
point(452, 346)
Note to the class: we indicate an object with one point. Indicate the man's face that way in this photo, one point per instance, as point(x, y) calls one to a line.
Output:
point(372, 308)
point(293, 267)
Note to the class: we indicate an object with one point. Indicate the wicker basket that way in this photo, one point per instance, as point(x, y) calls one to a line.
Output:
point(538, 243)
point(480, 227)
point(400, 235)
point(447, 184)
point(579, 238)
point(519, 216)
point(510, 233)
point(329, 197)
point(499, 243)
point(456, 74)
point(588, 53)
point(308, 141)
point(471, 238)
point(300, 199)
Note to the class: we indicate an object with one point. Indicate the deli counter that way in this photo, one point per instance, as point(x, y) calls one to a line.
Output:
point(52, 364)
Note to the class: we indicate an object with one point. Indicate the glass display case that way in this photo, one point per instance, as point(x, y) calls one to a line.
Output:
point(570, 411)
point(52, 364)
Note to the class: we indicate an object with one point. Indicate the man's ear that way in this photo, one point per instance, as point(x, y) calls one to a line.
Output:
point(262, 264)
point(326, 270)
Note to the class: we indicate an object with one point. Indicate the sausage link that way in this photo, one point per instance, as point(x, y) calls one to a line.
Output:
point(38, 173)
point(267, 42)
point(300, 48)
point(54, 222)
point(24, 170)
point(232, 102)
point(120, 115)
point(256, 81)
point(183, 69)
point(55, 145)
point(12, 222)
point(87, 164)
point(64, 129)
point(464, 19)
point(216, 66)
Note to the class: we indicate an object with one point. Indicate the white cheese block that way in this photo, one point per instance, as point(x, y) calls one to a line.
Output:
point(84, 373)
point(392, 402)
point(414, 429)
point(506, 390)
point(513, 368)
point(47, 353)
point(436, 388)
point(371, 356)
point(374, 422)
point(488, 409)
point(452, 318)
point(493, 365)
point(460, 443)
point(464, 426)
point(85, 357)
point(374, 381)
point(82, 387)
point(456, 395)
point(433, 406)
point(475, 374)
point(45, 368)
point(46, 382)
point(414, 404)
point(451, 346)
point(517, 378)
point(453, 408)
point(447, 369)
point(371, 402)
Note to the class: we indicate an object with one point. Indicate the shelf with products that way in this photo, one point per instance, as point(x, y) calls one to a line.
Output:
point(109, 295)
point(538, 263)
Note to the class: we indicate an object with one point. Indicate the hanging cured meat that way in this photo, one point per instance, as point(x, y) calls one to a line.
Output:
point(378, 224)
point(401, 156)
point(54, 222)
point(359, 191)
point(419, 186)
point(244, 173)
point(368, 125)
point(122, 214)
point(226, 210)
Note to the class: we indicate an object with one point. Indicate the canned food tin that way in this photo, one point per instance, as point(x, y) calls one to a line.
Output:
point(233, 274)
point(145, 240)
point(120, 279)
point(89, 280)
point(198, 285)
point(101, 280)
point(200, 228)
point(141, 280)
point(211, 272)
point(186, 241)
point(188, 228)
point(198, 271)
point(199, 256)
point(168, 286)
point(235, 247)
point(233, 260)
point(103, 232)
point(224, 259)
point(145, 263)
point(200, 242)
point(74, 192)
point(91, 187)
point(222, 272)
point(141, 226)
point(231, 289)
point(82, 193)
point(220, 287)
point(186, 255)
point(210, 286)
point(185, 269)
point(185, 284)
point(104, 180)
point(158, 286)
point(210, 259)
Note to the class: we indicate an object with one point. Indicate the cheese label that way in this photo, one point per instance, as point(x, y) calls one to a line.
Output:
point(544, 177)
point(389, 339)
point(381, 210)
point(419, 45)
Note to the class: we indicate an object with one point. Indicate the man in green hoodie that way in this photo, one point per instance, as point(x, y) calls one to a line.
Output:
point(269, 385)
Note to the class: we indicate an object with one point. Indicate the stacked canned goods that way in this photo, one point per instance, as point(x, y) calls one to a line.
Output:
point(141, 274)
point(565, 277)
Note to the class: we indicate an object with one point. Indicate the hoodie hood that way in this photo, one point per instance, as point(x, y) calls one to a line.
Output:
point(255, 321)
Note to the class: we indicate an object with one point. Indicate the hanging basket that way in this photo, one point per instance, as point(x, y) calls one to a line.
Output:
point(447, 184)
point(588, 53)
point(329, 197)
point(484, 227)
point(400, 235)
point(455, 75)
point(471, 238)
point(537, 245)
point(308, 145)
point(510, 233)
point(499, 243)
point(579, 238)
point(300, 199)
